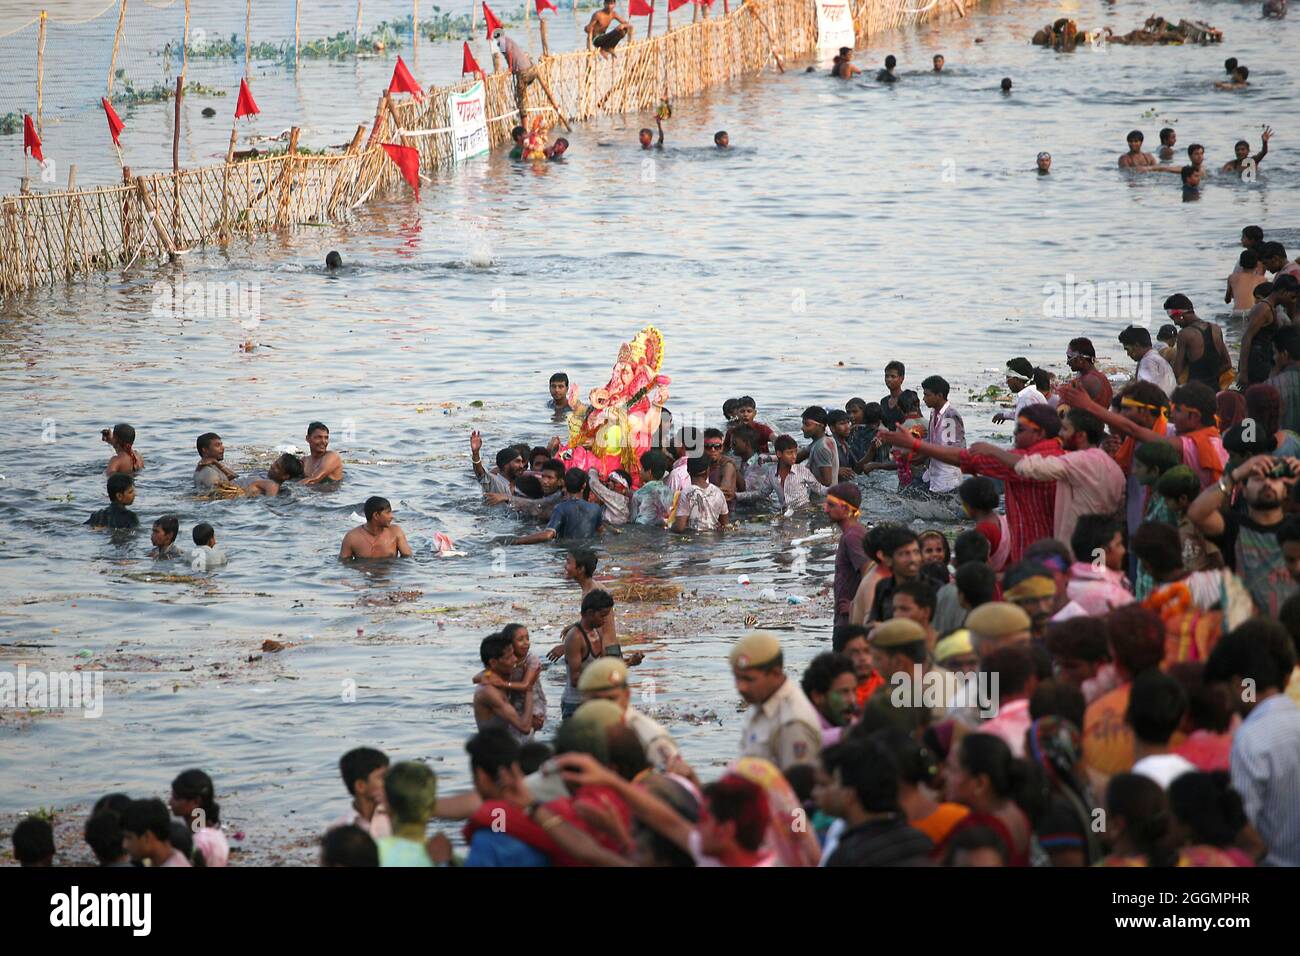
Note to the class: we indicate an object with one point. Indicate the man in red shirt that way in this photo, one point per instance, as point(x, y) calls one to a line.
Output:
point(1030, 504)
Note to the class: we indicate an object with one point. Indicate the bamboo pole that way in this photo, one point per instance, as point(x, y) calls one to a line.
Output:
point(356, 32)
point(126, 214)
point(176, 154)
point(541, 26)
point(546, 88)
point(415, 31)
point(117, 42)
point(248, 26)
point(650, 24)
point(185, 42)
point(752, 7)
point(40, 72)
point(297, 18)
point(152, 211)
point(67, 222)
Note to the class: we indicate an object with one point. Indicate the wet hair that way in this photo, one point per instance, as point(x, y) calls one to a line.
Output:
point(317, 426)
point(358, 764)
point(1165, 133)
point(376, 504)
point(644, 131)
point(596, 600)
point(1092, 533)
point(517, 131)
point(1230, 64)
point(493, 646)
point(720, 134)
point(1208, 806)
point(1136, 637)
point(203, 533)
point(1135, 134)
point(291, 465)
point(896, 366)
point(1006, 83)
point(728, 409)
point(746, 401)
point(822, 671)
point(103, 834)
point(1243, 71)
point(1259, 649)
point(733, 799)
point(492, 750)
point(528, 486)
point(1253, 233)
point(585, 560)
point(1187, 172)
point(712, 433)
point(844, 633)
point(333, 260)
point(1286, 283)
point(1088, 423)
point(784, 443)
point(575, 481)
point(1079, 638)
point(975, 838)
point(124, 433)
point(834, 416)
point(1271, 250)
point(411, 790)
point(1156, 705)
point(348, 845)
point(1145, 811)
point(869, 769)
point(33, 841)
point(890, 62)
point(655, 462)
point(169, 524)
point(204, 440)
point(1053, 698)
point(979, 493)
point(976, 582)
point(1135, 335)
point(119, 484)
point(556, 467)
point(197, 785)
point(1083, 346)
point(971, 547)
point(937, 384)
point(147, 816)
point(1044, 416)
point(1198, 397)
point(1159, 547)
point(1249, 258)
point(814, 413)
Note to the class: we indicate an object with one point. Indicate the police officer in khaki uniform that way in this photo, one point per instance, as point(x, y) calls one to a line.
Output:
point(781, 725)
point(898, 649)
point(606, 679)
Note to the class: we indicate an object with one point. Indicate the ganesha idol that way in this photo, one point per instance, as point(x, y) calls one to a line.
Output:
point(621, 419)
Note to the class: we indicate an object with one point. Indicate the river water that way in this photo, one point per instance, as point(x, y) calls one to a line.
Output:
point(850, 224)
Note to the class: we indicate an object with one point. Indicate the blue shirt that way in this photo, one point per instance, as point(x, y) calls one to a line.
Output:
point(1266, 772)
point(575, 518)
point(487, 848)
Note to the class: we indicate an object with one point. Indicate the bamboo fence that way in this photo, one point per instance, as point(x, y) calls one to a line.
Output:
point(48, 237)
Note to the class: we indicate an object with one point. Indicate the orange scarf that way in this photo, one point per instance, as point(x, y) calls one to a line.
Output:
point(1124, 457)
point(1209, 450)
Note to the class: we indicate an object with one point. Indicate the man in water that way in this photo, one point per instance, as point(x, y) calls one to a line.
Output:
point(121, 495)
point(379, 537)
point(1006, 84)
point(1191, 182)
point(1135, 158)
point(573, 517)
point(557, 149)
point(517, 136)
point(938, 63)
point(844, 68)
point(646, 137)
point(210, 473)
point(1242, 149)
point(1167, 140)
point(126, 460)
point(887, 74)
point(822, 454)
point(1240, 80)
point(598, 32)
point(721, 139)
point(501, 479)
point(1044, 163)
point(492, 708)
point(285, 468)
point(333, 261)
point(322, 464)
point(1230, 65)
point(1200, 352)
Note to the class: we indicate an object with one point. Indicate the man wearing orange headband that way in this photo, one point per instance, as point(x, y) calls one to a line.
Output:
point(843, 502)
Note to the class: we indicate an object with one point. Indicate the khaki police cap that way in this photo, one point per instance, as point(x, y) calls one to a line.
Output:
point(755, 650)
point(607, 673)
point(896, 632)
point(997, 619)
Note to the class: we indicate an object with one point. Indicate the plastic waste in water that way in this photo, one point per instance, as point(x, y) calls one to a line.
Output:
point(795, 599)
point(768, 594)
point(743, 579)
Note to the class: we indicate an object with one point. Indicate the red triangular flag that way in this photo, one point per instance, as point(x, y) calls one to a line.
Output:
point(404, 82)
point(115, 124)
point(32, 142)
point(543, 4)
point(469, 64)
point(407, 159)
point(490, 21)
point(246, 105)
point(674, 4)
point(640, 8)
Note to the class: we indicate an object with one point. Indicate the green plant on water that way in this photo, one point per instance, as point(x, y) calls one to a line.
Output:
point(993, 393)
point(129, 95)
point(11, 122)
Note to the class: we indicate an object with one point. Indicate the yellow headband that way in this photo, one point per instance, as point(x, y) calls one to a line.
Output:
point(854, 510)
point(1031, 588)
point(1134, 403)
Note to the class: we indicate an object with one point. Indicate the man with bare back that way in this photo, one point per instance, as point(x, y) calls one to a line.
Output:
point(599, 23)
point(378, 537)
point(322, 464)
point(1135, 158)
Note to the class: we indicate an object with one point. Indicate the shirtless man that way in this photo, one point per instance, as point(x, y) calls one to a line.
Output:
point(1135, 158)
point(210, 474)
point(285, 468)
point(579, 566)
point(378, 537)
point(1243, 280)
point(321, 464)
point(1167, 140)
point(598, 25)
point(1200, 354)
point(1242, 149)
point(938, 62)
point(492, 708)
point(125, 460)
point(1044, 163)
point(1240, 80)
point(722, 469)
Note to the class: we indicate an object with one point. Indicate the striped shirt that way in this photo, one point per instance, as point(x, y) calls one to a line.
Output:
point(1266, 772)
point(1031, 505)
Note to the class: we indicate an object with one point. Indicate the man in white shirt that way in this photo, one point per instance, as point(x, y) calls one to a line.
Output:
point(1152, 366)
point(1021, 375)
point(1156, 705)
point(947, 429)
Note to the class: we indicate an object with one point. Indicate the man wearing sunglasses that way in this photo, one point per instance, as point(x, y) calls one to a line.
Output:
point(1082, 358)
point(1200, 354)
